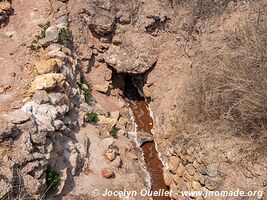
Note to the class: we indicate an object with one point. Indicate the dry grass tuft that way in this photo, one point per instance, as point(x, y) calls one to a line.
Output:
point(229, 83)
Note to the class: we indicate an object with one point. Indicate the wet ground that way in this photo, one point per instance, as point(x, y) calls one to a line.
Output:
point(144, 123)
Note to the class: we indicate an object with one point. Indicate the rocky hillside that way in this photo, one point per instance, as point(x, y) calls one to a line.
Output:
point(66, 129)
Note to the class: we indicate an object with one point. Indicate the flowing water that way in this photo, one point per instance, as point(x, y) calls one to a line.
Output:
point(144, 123)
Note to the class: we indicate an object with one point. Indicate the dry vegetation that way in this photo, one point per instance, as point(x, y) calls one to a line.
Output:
point(229, 84)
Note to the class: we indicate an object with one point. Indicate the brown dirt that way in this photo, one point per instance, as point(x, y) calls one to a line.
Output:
point(16, 60)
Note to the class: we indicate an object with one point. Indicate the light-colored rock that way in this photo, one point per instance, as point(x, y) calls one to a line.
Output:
point(40, 97)
point(51, 36)
point(10, 34)
point(117, 162)
point(122, 122)
point(102, 24)
point(47, 66)
point(174, 164)
point(32, 185)
point(110, 154)
point(190, 169)
point(212, 170)
point(62, 181)
point(106, 143)
point(58, 98)
point(17, 116)
point(103, 87)
point(196, 186)
point(55, 47)
point(124, 112)
point(146, 91)
point(5, 6)
point(115, 114)
point(143, 137)
point(106, 124)
point(107, 173)
point(167, 178)
point(116, 40)
point(56, 54)
point(43, 114)
point(47, 81)
point(180, 171)
point(58, 124)
point(136, 57)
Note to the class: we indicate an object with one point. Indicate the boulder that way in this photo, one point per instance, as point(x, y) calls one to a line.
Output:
point(47, 81)
point(51, 36)
point(43, 114)
point(74, 160)
point(47, 66)
point(102, 23)
point(136, 57)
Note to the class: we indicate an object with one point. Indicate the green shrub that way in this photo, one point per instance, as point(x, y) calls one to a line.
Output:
point(44, 28)
point(52, 178)
point(83, 80)
point(87, 91)
point(32, 47)
point(92, 117)
point(64, 36)
point(114, 132)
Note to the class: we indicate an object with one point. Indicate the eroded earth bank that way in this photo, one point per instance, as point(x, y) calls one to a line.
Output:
point(95, 93)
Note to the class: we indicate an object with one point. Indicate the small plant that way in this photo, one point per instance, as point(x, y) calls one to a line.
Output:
point(32, 47)
point(87, 92)
point(83, 80)
point(64, 36)
point(84, 85)
point(52, 178)
point(44, 28)
point(92, 117)
point(114, 132)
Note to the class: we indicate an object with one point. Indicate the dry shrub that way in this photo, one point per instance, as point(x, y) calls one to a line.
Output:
point(229, 83)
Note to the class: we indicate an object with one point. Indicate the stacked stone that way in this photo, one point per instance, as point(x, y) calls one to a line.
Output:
point(40, 131)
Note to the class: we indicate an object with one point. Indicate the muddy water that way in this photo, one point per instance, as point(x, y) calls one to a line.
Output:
point(154, 166)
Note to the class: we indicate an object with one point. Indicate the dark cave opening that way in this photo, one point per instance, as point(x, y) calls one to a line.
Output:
point(131, 85)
